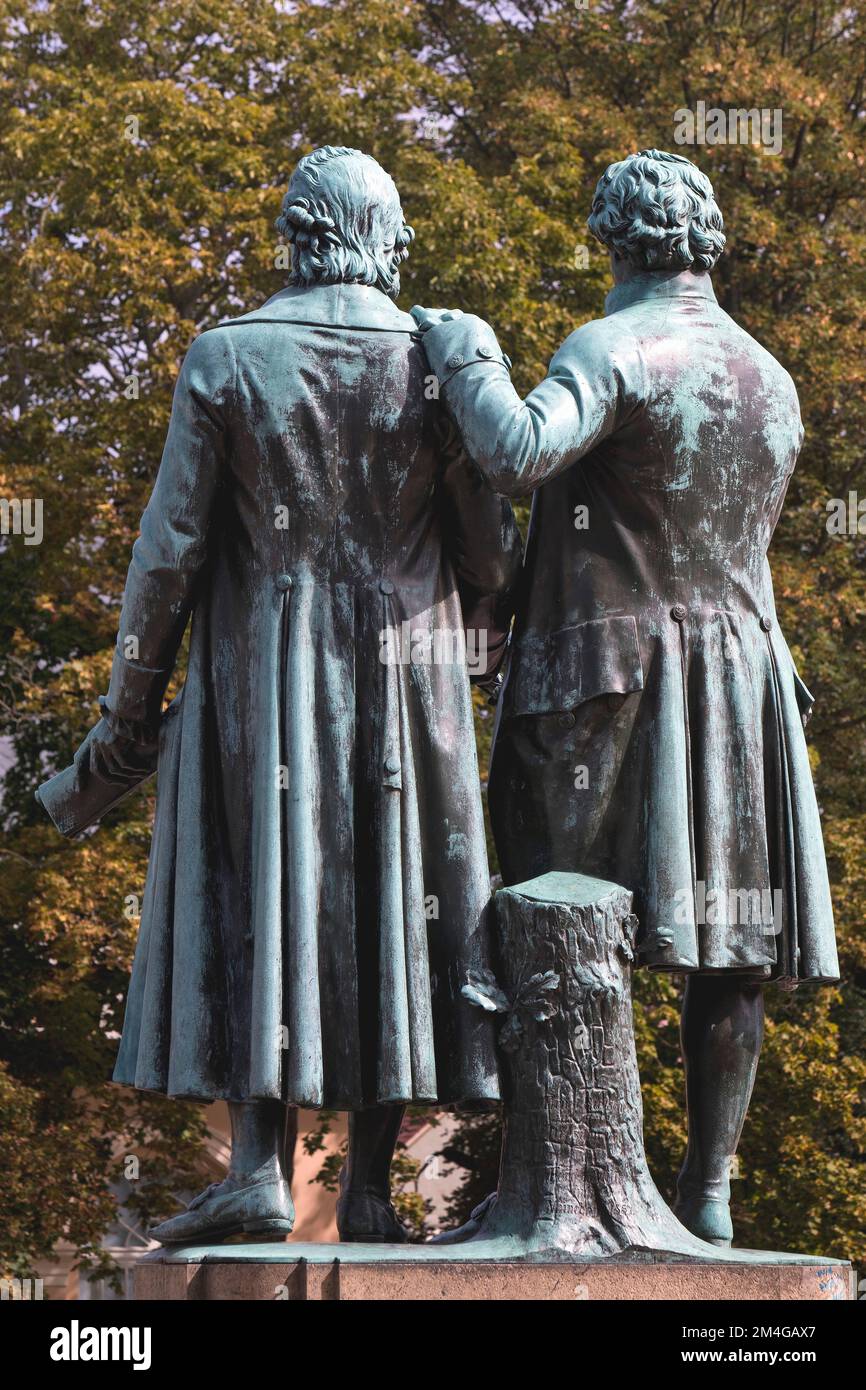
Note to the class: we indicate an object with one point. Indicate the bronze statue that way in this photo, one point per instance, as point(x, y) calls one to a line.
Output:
point(318, 879)
point(315, 922)
point(651, 726)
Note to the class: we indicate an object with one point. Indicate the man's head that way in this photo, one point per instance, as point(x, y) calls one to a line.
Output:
point(343, 219)
point(656, 211)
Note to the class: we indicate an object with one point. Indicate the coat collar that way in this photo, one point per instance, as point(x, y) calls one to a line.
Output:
point(337, 306)
point(659, 284)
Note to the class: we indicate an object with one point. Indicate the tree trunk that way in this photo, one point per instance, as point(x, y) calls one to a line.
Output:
point(573, 1176)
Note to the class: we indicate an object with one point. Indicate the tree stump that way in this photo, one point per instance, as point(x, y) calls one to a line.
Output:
point(573, 1176)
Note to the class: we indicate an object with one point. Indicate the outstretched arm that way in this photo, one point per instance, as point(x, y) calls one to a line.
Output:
point(593, 384)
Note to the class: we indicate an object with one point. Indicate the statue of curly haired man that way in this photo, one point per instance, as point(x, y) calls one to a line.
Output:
point(651, 726)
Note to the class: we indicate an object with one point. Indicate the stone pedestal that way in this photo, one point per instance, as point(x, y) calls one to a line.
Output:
point(298, 1272)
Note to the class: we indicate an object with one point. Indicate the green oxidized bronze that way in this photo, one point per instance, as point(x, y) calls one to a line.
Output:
point(651, 726)
point(318, 881)
point(318, 511)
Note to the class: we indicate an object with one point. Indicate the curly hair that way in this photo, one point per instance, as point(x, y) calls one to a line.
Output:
point(343, 220)
point(657, 211)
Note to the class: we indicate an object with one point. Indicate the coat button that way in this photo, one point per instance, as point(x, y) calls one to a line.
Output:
point(678, 612)
point(386, 587)
point(567, 721)
point(284, 581)
point(454, 361)
point(392, 766)
point(485, 351)
point(766, 623)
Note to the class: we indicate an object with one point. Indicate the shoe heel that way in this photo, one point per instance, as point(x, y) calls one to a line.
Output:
point(275, 1225)
point(708, 1218)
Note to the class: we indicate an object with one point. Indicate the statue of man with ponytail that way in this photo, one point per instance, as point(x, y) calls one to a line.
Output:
point(318, 882)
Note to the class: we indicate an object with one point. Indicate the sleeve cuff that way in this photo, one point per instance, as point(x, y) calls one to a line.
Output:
point(456, 344)
point(135, 693)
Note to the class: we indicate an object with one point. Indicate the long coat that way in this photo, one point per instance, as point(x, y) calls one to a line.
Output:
point(651, 729)
point(318, 878)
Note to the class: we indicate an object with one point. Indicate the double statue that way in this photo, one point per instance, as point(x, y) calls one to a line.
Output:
point(318, 897)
